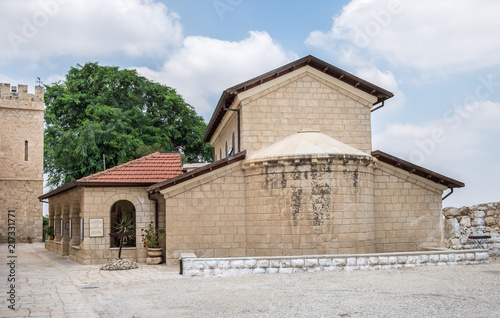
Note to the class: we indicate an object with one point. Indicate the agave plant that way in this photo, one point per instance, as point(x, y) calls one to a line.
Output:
point(124, 226)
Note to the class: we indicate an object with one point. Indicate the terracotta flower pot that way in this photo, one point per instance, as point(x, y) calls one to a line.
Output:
point(155, 252)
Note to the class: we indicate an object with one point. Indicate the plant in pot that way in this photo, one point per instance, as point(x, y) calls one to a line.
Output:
point(30, 240)
point(151, 239)
point(50, 232)
point(125, 229)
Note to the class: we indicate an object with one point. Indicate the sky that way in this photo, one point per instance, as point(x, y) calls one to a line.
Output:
point(440, 59)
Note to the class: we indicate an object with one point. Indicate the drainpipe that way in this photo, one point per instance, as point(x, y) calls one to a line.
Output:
point(447, 194)
point(238, 114)
point(374, 109)
point(156, 208)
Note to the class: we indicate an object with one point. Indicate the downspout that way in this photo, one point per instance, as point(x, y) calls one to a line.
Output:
point(156, 209)
point(374, 109)
point(238, 116)
point(447, 194)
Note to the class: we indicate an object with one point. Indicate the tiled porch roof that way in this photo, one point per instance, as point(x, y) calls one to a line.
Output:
point(152, 168)
point(142, 172)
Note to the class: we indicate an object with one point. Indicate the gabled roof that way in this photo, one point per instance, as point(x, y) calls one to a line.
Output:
point(229, 94)
point(152, 168)
point(417, 170)
point(143, 172)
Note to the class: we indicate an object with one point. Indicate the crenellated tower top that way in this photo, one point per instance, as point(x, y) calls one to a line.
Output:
point(19, 98)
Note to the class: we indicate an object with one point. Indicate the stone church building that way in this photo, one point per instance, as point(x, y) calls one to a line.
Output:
point(21, 162)
point(294, 174)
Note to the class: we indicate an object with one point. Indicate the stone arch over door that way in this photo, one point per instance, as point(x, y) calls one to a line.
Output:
point(139, 211)
point(120, 209)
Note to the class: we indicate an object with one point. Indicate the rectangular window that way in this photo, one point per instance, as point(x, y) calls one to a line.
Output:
point(25, 150)
point(81, 229)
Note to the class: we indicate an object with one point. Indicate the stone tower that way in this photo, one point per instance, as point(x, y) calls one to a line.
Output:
point(21, 162)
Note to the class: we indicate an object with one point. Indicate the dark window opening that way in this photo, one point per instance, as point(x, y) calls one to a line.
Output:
point(25, 150)
point(120, 209)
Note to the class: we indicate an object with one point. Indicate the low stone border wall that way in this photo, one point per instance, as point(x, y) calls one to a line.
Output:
point(291, 264)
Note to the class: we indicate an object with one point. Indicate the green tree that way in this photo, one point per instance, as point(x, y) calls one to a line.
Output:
point(102, 110)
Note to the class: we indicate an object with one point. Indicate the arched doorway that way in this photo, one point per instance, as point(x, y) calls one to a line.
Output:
point(119, 209)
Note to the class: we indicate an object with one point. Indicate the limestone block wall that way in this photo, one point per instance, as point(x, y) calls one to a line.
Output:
point(21, 161)
point(310, 206)
point(207, 216)
point(328, 263)
point(460, 223)
point(407, 210)
point(21, 197)
point(224, 136)
point(305, 101)
point(96, 202)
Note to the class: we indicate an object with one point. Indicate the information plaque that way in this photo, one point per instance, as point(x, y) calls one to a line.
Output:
point(96, 227)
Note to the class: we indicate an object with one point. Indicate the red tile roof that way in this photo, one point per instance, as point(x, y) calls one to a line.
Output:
point(152, 168)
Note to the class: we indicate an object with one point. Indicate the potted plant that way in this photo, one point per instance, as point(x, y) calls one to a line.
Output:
point(30, 240)
point(151, 240)
point(124, 227)
point(50, 232)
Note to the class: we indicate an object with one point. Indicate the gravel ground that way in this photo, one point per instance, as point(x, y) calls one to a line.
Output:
point(158, 291)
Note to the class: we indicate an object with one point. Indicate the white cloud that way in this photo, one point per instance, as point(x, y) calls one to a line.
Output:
point(431, 36)
point(204, 67)
point(387, 81)
point(458, 146)
point(36, 29)
point(54, 78)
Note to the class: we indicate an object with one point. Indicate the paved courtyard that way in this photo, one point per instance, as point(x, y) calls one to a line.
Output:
point(47, 285)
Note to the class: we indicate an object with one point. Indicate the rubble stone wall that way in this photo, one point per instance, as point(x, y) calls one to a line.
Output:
point(462, 223)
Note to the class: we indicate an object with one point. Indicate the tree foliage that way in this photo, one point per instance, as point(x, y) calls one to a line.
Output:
point(102, 110)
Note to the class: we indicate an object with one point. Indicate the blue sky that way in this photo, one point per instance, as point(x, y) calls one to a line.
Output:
point(440, 58)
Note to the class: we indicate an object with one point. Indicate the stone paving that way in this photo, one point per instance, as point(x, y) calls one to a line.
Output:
point(48, 285)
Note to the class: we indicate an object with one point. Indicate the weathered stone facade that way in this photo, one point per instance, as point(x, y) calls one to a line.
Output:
point(305, 181)
point(407, 210)
point(301, 180)
point(207, 215)
point(309, 207)
point(96, 203)
point(477, 220)
point(21, 161)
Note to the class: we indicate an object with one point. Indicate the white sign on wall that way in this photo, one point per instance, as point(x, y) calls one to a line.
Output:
point(96, 227)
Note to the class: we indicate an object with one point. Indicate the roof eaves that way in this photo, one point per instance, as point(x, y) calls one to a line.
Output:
point(155, 188)
point(64, 188)
point(81, 184)
point(417, 170)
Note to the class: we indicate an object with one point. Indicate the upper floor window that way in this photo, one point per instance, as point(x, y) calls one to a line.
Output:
point(233, 142)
